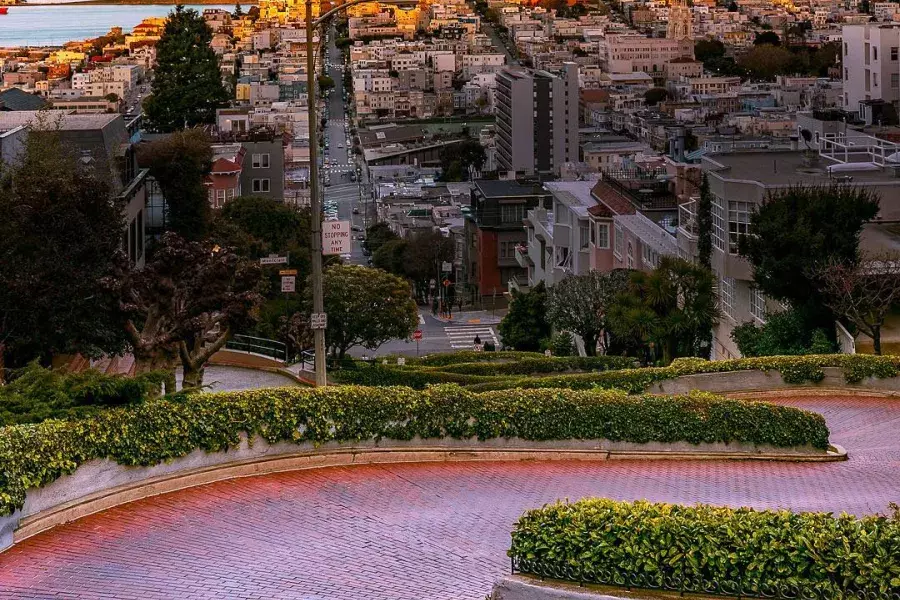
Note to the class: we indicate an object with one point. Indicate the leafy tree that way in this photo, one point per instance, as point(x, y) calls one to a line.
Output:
point(580, 304)
point(799, 228)
point(238, 11)
point(525, 326)
point(783, 334)
point(325, 83)
point(458, 158)
point(179, 162)
point(112, 97)
point(377, 235)
point(705, 50)
point(704, 224)
point(767, 37)
point(654, 96)
point(366, 307)
point(562, 344)
point(863, 292)
point(187, 84)
point(423, 257)
point(390, 256)
point(765, 61)
point(60, 241)
point(672, 307)
point(185, 303)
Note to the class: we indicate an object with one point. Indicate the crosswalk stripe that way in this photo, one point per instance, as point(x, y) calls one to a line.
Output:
point(463, 336)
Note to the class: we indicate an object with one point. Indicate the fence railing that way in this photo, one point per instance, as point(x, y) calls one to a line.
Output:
point(256, 345)
point(672, 578)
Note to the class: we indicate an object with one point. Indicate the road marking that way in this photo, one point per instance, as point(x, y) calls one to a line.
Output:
point(463, 336)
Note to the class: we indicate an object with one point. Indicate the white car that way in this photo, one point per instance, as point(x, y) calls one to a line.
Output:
point(347, 256)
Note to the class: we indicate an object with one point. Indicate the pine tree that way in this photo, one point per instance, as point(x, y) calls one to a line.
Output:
point(187, 83)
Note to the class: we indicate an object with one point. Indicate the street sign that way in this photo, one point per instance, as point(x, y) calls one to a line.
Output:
point(273, 259)
point(336, 237)
point(287, 272)
point(288, 284)
point(446, 282)
point(431, 283)
point(446, 267)
point(318, 321)
point(401, 361)
point(417, 335)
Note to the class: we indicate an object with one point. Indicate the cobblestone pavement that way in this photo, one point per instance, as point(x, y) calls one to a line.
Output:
point(411, 531)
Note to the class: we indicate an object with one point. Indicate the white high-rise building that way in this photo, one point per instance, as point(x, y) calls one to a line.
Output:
point(871, 65)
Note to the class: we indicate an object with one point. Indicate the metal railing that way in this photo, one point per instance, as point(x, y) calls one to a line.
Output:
point(255, 345)
point(676, 577)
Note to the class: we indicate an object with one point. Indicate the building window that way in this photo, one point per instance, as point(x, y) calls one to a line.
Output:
point(738, 223)
point(220, 198)
point(718, 217)
point(602, 236)
point(512, 213)
point(584, 235)
point(894, 53)
point(507, 250)
point(630, 258)
point(619, 240)
point(650, 256)
point(726, 296)
point(895, 80)
point(757, 304)
point(261, 185)
point(260, 161)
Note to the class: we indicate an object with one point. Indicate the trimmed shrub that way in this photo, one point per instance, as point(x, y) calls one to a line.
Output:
point(468, 356)
point(164, 429)
point(740, 551)
point(530, 366)
point(793, 369)
point(35, 393)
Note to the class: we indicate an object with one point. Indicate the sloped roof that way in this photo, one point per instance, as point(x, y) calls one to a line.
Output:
point(16, 99)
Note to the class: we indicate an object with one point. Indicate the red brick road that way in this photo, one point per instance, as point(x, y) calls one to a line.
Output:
point(424, 531)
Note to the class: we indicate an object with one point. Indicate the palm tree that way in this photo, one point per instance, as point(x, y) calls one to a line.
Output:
point(672, 307)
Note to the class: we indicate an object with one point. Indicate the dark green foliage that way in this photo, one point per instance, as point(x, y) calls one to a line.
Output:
point(60, 241)
point(468, 356)
point(456, 160)
point(562, 344)
point(783, 333)
point(705, 50)
point(654, 96)
point(187, 83)
point(759, 551)
point(179, 162)
point(161, 430)
point(581, 303)
point(525, 326)
point(326, 82)
point(767, 37)
point(378, 235)
point(35, 394)
point(798, 229)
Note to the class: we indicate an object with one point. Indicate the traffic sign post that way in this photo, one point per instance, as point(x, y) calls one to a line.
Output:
point(273, 259)
point(318, 321)
point(288, 284)
point(336, 237)
point(417, 335)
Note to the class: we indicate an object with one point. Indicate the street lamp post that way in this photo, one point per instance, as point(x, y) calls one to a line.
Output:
point(318, 294)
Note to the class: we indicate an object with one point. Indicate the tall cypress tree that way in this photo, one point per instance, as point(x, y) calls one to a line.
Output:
point(187, 83)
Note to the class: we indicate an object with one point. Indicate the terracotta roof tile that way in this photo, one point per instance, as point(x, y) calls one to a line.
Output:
point(612, 199)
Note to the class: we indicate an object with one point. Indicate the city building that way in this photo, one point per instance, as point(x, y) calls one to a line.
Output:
point(537, 119)
point(871, 63)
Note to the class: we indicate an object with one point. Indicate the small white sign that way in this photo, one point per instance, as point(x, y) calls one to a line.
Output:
point(288, 284)
point(446, 267)
point(336, 237)
point(401, 361)
point(273, 259)
point(318, 321)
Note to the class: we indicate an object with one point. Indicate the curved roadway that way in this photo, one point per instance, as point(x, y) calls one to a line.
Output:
point(411, 531)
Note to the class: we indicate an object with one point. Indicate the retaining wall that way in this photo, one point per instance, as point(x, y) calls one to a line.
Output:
point(750, 381)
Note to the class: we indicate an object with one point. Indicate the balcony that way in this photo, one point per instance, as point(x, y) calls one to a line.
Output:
point(518, 283)
point(522, 256)
point(542, 219)
point(687, 219)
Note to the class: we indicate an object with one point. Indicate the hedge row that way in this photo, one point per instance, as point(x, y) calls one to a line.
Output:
point(161, 430)
point(542, 364)
point(793, 369)
point(443, 359)
point(742, 551)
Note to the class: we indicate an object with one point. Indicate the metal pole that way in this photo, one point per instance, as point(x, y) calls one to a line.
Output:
point(315, 204)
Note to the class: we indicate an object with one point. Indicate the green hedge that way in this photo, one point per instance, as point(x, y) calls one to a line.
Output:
point(794, 369)
point(389, 375)
point(469, 356)
point(543, 364)
point(161, 430)
point(746, 552)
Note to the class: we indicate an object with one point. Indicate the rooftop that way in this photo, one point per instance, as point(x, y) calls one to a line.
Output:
point(777, 169)
point(508, 189)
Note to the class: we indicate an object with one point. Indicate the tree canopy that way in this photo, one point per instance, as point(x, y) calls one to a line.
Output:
point(179, 162)
point(525, 326)
point(60, 242)
point(456, 159)
point(767, 37)
point(654, 96)
point(580, 304)
point(799, 228)
point(187, 84)
point(366, 307)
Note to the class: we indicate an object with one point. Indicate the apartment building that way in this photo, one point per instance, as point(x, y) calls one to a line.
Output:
point(493, 230)
point(871, 65)
point(537, 119)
